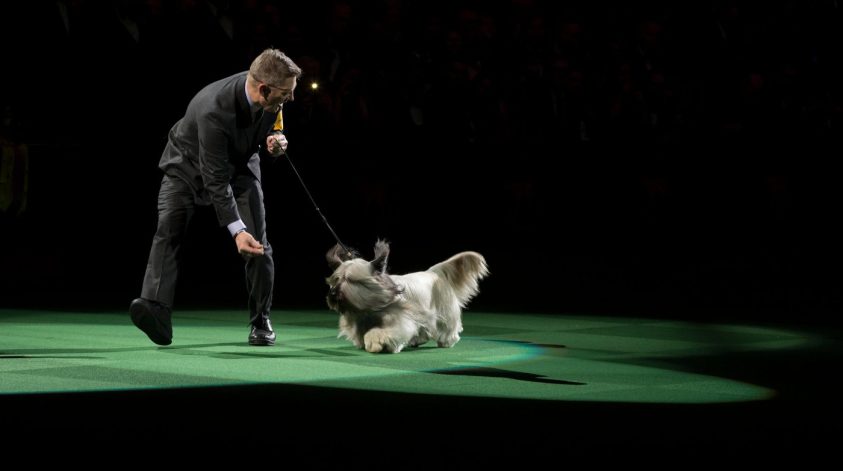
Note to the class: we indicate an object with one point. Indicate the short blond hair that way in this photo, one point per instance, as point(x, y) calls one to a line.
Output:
point(273, 67)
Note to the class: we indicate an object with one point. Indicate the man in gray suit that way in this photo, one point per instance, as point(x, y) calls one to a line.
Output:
point(212, 157)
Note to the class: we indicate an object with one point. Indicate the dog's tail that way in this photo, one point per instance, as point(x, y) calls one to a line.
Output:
point(462, 272)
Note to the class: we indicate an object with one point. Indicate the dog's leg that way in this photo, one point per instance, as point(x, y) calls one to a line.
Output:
point(419, 339)
point(449, 326)
point(397, 328)
point(348, 330)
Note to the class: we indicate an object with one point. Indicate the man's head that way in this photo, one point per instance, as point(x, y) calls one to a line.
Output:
point(274, 77)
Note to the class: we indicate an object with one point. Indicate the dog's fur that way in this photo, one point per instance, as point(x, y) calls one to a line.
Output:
point(385, 313)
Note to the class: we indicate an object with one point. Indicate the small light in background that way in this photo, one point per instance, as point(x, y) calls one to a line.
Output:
point(314, 85)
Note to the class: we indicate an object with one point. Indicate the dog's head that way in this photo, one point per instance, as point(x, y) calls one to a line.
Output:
point(357, 285)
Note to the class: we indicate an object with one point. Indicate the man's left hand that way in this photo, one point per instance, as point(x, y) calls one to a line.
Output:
point(276, 144)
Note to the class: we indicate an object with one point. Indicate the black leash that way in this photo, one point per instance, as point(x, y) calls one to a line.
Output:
point(314, 204)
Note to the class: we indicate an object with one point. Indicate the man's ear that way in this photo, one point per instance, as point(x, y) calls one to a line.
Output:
point(264, 90)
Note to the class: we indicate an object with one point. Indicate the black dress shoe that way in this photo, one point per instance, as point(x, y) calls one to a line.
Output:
point(262, 334)
point(154, 319)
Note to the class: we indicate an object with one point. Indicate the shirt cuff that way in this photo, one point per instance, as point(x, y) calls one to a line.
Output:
point(236, 226)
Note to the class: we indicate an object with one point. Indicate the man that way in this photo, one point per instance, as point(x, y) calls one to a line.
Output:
point(212, 157)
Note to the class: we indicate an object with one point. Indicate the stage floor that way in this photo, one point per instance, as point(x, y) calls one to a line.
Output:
point(539, 384)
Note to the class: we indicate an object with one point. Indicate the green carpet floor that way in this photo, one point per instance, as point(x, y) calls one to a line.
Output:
point(520, 388)
point(503, 355)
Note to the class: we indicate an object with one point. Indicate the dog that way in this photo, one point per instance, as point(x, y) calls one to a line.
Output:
point(386, 313)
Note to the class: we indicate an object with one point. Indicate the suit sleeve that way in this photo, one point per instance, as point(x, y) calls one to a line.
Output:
point(216, 169)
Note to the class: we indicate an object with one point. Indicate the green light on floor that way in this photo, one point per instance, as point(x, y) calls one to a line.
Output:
point(521, 356)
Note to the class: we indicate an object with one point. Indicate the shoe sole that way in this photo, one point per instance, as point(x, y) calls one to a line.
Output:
point(262, 343)
point(147, 323)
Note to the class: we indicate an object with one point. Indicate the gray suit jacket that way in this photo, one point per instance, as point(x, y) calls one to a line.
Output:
point(217, 139)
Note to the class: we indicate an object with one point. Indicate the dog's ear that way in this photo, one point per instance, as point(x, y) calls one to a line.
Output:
point(337, 255)
point(381, 255)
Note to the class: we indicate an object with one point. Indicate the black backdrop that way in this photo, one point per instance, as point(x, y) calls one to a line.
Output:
point(649, 159)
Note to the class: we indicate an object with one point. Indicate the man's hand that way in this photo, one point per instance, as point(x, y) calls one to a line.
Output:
point(247, 246)
point(276, 144)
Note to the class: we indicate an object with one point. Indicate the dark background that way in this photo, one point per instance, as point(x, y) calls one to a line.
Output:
point(672, 159)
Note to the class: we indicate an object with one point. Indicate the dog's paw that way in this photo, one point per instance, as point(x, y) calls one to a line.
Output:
point(419, 339)
point(374, 347)
point(375, 340)
point(379, 340)
point(448, 341)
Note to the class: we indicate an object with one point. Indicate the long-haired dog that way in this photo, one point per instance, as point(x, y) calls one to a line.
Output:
point(385, 313)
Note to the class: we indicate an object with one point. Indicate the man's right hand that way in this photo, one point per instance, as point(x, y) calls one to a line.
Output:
point(247, 246)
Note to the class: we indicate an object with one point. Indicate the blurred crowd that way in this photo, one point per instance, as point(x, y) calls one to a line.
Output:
point(520, 74)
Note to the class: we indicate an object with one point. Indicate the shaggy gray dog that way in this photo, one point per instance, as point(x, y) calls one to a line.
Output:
point(385, 313)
